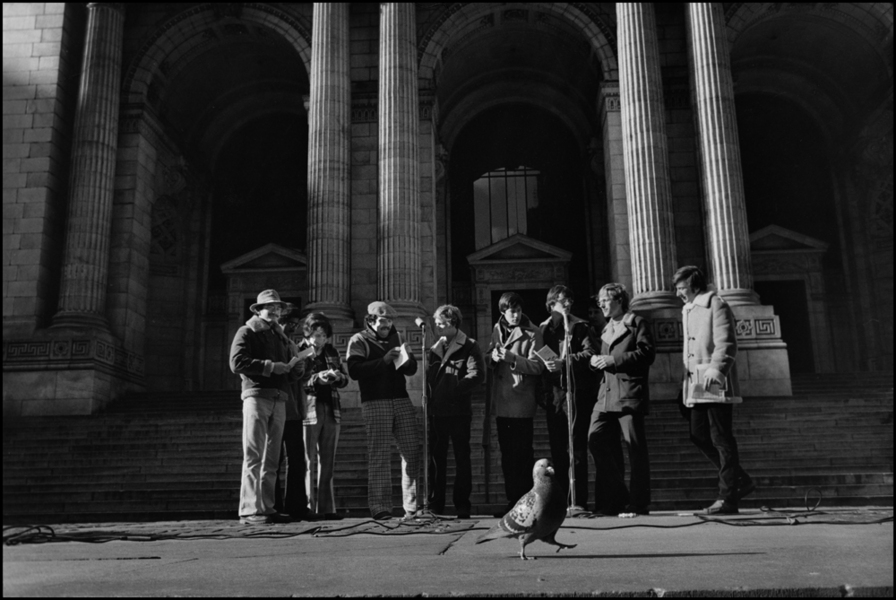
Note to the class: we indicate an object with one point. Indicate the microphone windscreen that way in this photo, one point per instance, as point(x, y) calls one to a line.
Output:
point(419, 321)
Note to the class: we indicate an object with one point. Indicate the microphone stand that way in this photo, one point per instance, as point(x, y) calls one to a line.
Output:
point(425, 401)
point(570, 406)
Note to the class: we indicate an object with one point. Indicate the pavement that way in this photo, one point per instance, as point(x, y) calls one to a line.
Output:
point(789, 552)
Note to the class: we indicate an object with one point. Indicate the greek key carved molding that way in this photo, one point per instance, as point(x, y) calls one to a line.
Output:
point(61, 353)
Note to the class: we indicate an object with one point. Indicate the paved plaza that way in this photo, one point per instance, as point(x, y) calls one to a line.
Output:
point(830, 552)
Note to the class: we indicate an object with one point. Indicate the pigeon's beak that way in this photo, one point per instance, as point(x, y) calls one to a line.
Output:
point(549, 470)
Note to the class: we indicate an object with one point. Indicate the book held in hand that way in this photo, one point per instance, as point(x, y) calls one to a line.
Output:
point(546, 354)
point(302, 355)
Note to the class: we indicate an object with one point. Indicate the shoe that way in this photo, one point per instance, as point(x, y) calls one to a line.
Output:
point(333, 517)
point(279, 518)
point(720, 507)
point(575, 511)
point(465, 515)
point(383, 515)
point(634, 509)
point(613, 511)
point(410, 516)
point(310, 516)
point(746, 489)
point(256, 520)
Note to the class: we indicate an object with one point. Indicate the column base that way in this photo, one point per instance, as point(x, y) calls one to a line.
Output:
point(740, 297)
point(763, 367)
point(67, 371)
point(342, 317)
point(80, 320)
point(647, 301)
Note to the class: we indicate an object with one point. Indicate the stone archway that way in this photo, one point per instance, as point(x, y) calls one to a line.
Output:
point(199, 79)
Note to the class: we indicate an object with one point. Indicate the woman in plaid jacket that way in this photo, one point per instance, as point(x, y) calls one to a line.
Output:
point(323, 376)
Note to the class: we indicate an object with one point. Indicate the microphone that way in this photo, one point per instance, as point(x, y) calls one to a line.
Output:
point(420, 322)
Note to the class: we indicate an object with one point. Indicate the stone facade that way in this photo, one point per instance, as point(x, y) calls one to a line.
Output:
point(162, 159)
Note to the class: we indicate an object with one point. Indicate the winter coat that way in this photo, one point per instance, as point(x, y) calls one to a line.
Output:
point(256, 346)
point(315, 391)
point(624, 383)
point(514, 387)
point(710, 338)
point(377, 379)
point(452, 374)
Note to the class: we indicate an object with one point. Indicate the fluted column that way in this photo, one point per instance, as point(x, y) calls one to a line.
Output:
point(727, 235)
point(399, 262)
point(82, 297)
point(329, 140)
point(648, 188)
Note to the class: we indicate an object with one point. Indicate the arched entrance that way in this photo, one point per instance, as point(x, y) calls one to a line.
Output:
point(515, 99)
point(811, 85)
point(228, 106)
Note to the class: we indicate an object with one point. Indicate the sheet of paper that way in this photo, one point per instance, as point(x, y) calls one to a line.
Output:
point(403, 357)
point(301, 356)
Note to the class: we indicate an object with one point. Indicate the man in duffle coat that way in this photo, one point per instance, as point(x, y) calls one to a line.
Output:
point(710, 348)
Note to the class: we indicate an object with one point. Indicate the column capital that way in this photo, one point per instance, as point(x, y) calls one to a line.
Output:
point(608, 98)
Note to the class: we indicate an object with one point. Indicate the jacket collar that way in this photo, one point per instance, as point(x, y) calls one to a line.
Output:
point(370, 336)
point(456, 344)
point(573, 320)
point(256, 323)
point(702, 300)
point(517, 332)
point(611, 335)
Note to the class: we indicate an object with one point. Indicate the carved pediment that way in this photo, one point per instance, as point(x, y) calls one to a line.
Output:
point(778, 239)
point(270, 257)
point(519, 247)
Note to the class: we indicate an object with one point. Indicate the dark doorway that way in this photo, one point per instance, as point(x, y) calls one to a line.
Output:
point(789, 300)
point(533, 304)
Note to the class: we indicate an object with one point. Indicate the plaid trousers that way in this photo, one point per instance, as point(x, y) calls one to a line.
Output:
point(385, 419)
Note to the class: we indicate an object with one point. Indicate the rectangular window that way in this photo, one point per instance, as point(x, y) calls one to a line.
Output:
point(502, 200)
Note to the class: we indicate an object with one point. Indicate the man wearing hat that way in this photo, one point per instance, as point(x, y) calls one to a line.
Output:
point(260, 355)
point(379, 361)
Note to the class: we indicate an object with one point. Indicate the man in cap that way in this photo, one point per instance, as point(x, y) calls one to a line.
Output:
point(379, 361)
point(261, 355)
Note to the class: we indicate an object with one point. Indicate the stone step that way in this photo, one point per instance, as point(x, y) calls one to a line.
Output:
point(184, 456)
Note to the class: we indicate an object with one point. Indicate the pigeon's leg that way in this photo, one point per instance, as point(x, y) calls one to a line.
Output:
point(523, 550)
point(554, 542)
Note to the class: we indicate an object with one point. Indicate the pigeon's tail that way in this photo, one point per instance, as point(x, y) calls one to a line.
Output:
point(492, 534)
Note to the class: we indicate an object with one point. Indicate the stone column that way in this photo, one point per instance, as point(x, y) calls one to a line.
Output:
point(329, 180)
point(727, 236)
point(82, 297)
point(762, 361)
point(608, 109)
point(399, 263)
point(648, 187)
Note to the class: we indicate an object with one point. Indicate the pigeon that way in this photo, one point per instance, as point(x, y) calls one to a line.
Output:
point(537, 515)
